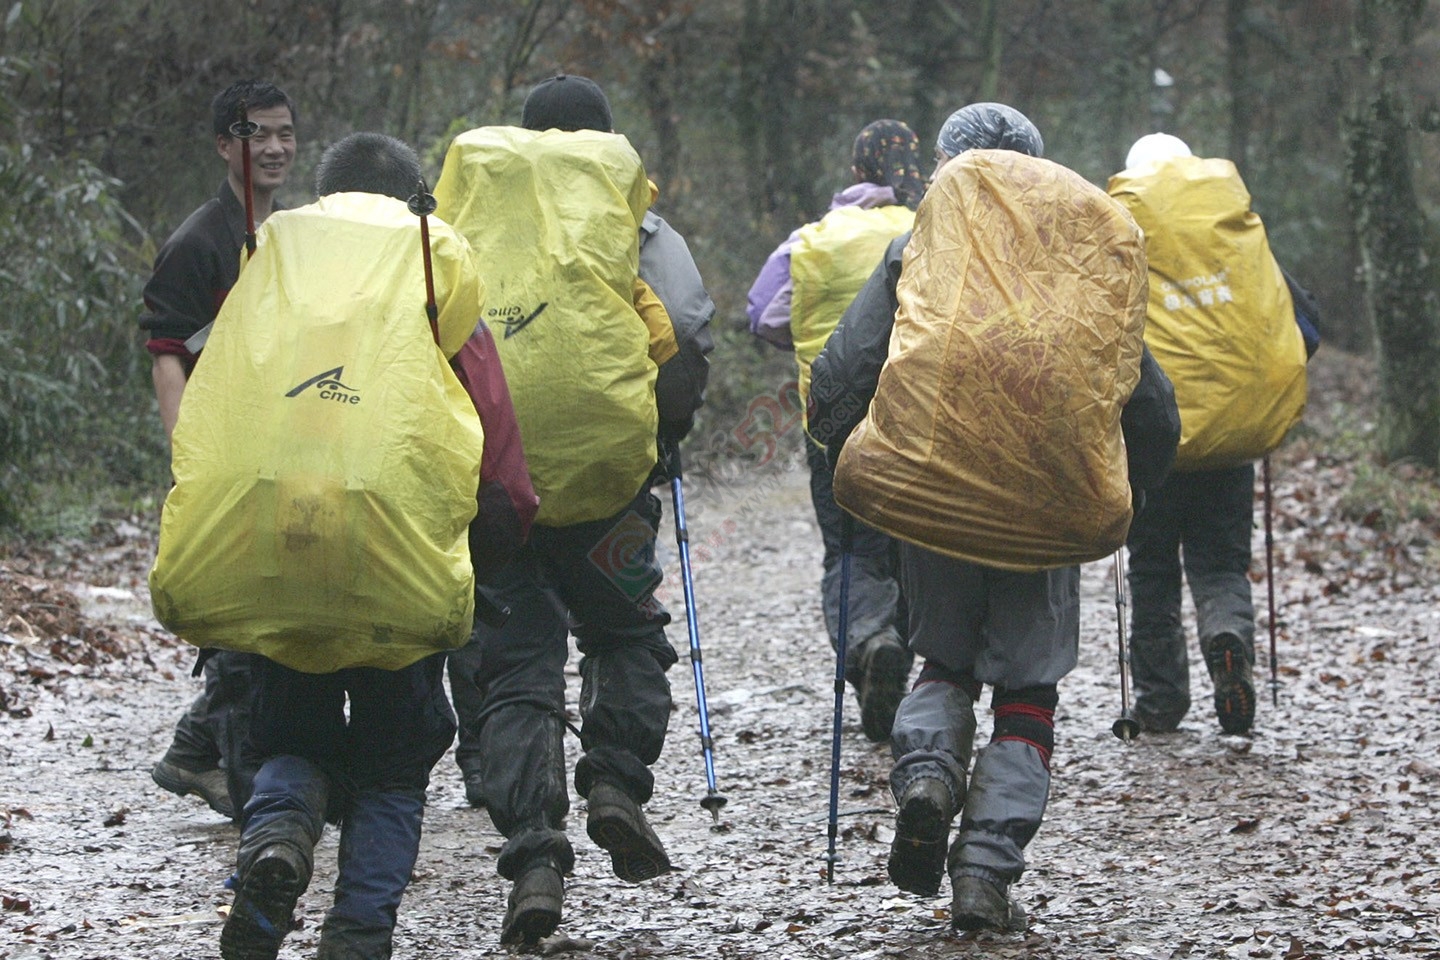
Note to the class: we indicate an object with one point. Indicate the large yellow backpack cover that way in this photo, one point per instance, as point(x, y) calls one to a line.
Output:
point(994, 435)
point(1221, 320)
point(554, 219)
point(326, 459)
point(830, 262)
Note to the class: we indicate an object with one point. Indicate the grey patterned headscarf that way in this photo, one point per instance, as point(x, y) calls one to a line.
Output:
point(989, 126)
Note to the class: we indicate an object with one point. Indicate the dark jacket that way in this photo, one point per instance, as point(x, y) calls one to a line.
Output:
point(847, 372)
point(194, 271)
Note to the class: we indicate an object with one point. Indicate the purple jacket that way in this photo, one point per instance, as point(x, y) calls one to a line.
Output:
point(769, 301)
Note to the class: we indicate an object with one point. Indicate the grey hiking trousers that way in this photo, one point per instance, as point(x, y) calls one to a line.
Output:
point(875, 603)
point(1017, 632)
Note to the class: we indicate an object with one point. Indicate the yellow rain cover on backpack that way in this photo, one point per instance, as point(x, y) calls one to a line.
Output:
point(829, 263)
point(554, 219)
point(994, 435)
point(326, 459)
point(1221, 324)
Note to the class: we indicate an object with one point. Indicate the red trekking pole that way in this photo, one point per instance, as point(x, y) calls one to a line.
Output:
point(244, 130)
point(422, 205)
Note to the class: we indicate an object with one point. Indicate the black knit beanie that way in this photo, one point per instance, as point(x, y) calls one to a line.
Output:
point(566, 103)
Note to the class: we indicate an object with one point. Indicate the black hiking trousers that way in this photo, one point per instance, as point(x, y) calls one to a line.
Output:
point(595, 580)
point(1200, 522)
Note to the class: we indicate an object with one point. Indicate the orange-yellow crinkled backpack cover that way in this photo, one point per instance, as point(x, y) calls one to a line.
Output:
point(994, 435)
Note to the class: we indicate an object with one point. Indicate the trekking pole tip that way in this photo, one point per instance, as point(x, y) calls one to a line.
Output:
point(1126, 728)
point(713, 801)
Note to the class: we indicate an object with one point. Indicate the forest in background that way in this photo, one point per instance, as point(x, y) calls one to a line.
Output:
point(744, 111)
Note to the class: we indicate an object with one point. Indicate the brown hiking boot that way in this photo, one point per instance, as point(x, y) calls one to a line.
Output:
point(209, 785)
point(922, 830)
point(616, 824)
point(980, 903)
point(884, 669)
point(1234, 689)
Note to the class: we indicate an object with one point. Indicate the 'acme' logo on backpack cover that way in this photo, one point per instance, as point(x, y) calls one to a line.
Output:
point(513, 321)
point(329, 386)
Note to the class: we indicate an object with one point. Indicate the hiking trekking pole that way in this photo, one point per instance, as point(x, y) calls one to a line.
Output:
point(670, 451)
point(1270, 582)
point(244, 129)
point(1127, 728)
point(422, 205)
point(847, 547)
point(488, 611)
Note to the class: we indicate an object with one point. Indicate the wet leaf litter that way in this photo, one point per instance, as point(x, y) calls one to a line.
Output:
point(1315, 838)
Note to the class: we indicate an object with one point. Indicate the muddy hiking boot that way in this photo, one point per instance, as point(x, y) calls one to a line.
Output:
point(264, 901)
point(474, 790)
point(983, 903)
point(922, 831)
point(344, 939)
point(884, 669)
point(616, 824)
point(533, 911)
point(1234, 689)
point(209, 785)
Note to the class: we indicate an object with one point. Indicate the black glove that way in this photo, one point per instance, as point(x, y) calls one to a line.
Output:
point(674, 431)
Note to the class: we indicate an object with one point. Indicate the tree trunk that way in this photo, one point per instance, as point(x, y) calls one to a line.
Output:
point(1397, 243)
point(1238, 77)
point(657, 82)
point(990, 50)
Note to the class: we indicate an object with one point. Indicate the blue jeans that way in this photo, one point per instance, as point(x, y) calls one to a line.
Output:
point(369, 773)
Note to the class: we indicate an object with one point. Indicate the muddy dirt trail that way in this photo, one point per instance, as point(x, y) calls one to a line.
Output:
point(1316, 837)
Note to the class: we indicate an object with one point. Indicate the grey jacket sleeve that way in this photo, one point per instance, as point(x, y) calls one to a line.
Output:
point(666, 265)
point(844, 377)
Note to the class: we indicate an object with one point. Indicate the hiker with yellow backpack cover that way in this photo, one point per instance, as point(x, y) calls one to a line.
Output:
point(327, 467)
point(988, 401)
point(1234, 333)
point(556, 211)
point(794, 304)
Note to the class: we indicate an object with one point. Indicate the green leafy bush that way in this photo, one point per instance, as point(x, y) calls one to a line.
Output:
point(75, 400)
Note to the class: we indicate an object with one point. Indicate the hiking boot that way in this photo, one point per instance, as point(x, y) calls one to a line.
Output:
point(533, 912)
point(344, 939)
point(1155, 722)
point(980, 903)
point(1234, 690)
point(209, 785)
point(264, 901)
point(616, 824)
point(922, 828)
point(884, 668)
point(474, 790)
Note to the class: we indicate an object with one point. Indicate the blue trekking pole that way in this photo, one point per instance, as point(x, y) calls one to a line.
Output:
point(1270, 582)
point(847, 538)
point(712, 800)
